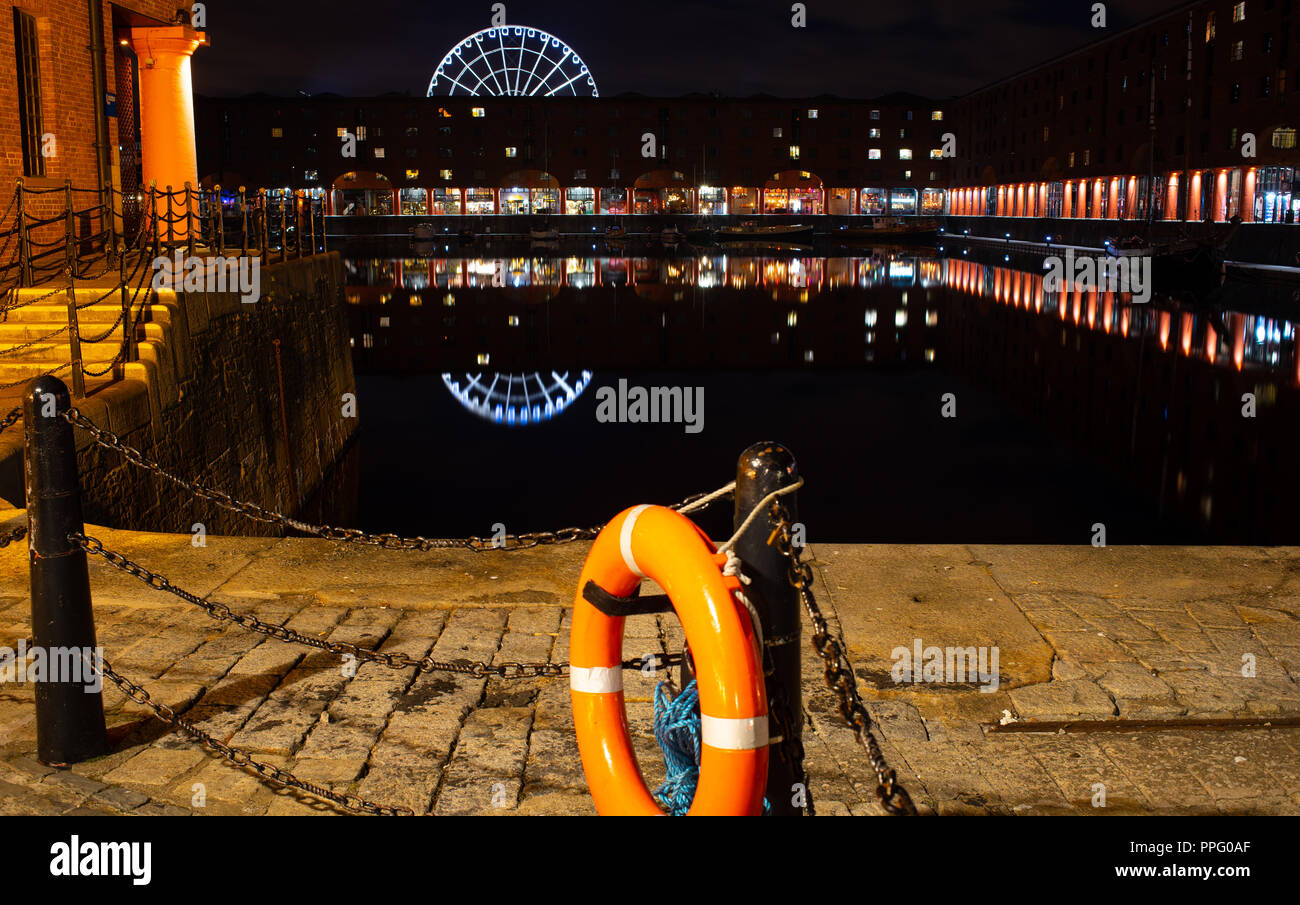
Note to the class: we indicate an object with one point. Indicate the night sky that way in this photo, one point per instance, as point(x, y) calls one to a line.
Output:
point(852, 48)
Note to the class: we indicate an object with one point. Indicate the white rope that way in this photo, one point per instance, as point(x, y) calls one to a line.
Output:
point(762, 506)
point(706, 500)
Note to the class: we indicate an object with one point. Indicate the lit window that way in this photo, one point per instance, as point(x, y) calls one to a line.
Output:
point(415, 301)
point(379, 153)
point(484, 358)
point(477, 113)
point(367, 340)
point(870, 317)
point(875, 114)
point(932, 318)
point(579, 174)
point(445, 175)
point(792, 319)
point(385, 321)
point(936, 154)
point(778, 132)
point(412, 174)
point(311, 175)
point(1209, 27)
point(812, 114)
point(794, 152)
point(512, 321)
point(900, 318)
point(907, 174)
point(936, 115)
point(904, 153)
point(1238, 51)
point(615, 174)
point(442, 111)
point(361, 133)
point(873, 154)
point(1071, 158)
point(1239, 12)
point(512, 152)
point(1087, 157)
point(1284, 138)
point(808, 355)
point(343, 131)
point(277, 132)
point(875, 133)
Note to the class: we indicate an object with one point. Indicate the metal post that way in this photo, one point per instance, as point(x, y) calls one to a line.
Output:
point(284, 235)
point(74, 336)
point(311, 221)
point(297, 222)
point(762, 469)
point(261, 207)
point(119, 371)
point(69, 717)
point(69, 228)
point(171, 219)
point(218, 220)
point(189, 219)
point(243, 229)
point(24, 252)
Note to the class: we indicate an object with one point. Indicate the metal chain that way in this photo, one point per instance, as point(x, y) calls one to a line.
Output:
point(13, 536)
point(839, 671)
point(110, 440)
point(15, 415)
point(268, 772)
point(478, 669)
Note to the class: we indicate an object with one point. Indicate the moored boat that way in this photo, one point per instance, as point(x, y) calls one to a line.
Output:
point(892, 229)
point(750, 230)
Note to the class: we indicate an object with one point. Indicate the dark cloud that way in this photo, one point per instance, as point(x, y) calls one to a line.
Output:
point(932, 47)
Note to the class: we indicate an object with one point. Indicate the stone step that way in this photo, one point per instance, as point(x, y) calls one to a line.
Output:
point(103, 313)
point(15, 334)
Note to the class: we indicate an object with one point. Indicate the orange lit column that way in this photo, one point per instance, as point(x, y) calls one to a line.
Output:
point(1248, 196)
point(167, 110)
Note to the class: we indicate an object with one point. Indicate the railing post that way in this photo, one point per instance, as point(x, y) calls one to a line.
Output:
point(74, 336)
point(243, 229)
point(284, 236)
point(311, 220)
point(762, 469)
point(69, 714)
point(70, 228)
point(24, 252)
point(171, 219)
point(127, 332)
point(219, 220)
point(189, 219)
point(297, 222)
point(108, 222)
point(262, 227)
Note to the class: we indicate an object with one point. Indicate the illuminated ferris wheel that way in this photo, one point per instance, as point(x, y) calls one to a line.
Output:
point(513, 60)
point(517, 399)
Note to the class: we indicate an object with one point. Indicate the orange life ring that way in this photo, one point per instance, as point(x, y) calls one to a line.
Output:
point(664, 545)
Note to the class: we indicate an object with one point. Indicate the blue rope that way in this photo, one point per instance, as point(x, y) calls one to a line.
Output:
point(677, 730)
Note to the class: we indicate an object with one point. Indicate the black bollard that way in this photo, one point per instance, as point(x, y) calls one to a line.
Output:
point(69, 716)
point(762, 469)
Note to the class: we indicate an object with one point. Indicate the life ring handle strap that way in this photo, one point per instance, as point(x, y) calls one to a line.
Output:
point(633, 605)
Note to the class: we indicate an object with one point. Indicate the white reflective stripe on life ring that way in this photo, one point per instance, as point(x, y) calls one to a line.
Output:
point(625, 540)
point(596, 679)
point(743, 734)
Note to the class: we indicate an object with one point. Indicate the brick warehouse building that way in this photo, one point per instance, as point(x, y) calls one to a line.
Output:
point(488, 155)
point(1075, 137)
point(98, 94)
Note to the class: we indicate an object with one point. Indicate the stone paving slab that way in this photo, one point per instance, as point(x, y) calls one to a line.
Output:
point(1147, 643)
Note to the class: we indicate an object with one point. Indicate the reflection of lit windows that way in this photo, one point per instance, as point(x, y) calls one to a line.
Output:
point(483, 358)
point(936, 115)
point(776, 338)
point(384, 321)
point(277, 132)
point(1239, 12)
point(808, 355)
point(904, 153)
point(311, 175)
point(367, 340)
point(871, 336)
point(900, 318)
point(873, 154)
point(1284, 138)
point(512, 320)
point(929, 354)
point(1238, 51)
point(870, 317)
point(449, 301)
point(932, 318)
point(794, 152)
point(445, 175)
point(412, 174)
point(792, 320)
point(477, 113)
point(512, 152)
point(778, 132)
point(415, 301)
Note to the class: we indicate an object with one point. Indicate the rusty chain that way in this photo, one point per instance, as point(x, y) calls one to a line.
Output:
point(839, 672)
point(427, 663)
point(110, 440)
point(269, 772)
point(13, 536)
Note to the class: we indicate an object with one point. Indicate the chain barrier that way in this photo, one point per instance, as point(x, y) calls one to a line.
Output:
point(15, 415)
point(109, 440)
point(13, 536)
point(269, 772)
point(840, 677)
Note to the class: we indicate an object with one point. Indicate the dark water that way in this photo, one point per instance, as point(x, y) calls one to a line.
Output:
point(1070, 410)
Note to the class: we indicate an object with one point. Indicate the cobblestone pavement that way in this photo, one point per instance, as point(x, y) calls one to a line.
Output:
point(1128, 669)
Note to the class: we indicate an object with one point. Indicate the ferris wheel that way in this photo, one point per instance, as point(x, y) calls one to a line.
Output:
point(517, 399)
point(512, 60)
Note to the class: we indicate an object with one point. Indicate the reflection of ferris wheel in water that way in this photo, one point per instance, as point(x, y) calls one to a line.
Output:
point(517, 399)
point(513, 60)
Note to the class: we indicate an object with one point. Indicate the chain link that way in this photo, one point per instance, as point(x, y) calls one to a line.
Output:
point(110, 440)
point(9, 420)
point(13, 536)
point(219, 611)
point(839, 671)
point(269, 772)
